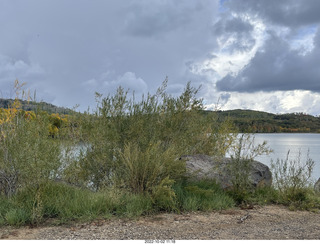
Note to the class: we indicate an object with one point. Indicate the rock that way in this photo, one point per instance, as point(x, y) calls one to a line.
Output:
point(317, 186)
point(206, 167)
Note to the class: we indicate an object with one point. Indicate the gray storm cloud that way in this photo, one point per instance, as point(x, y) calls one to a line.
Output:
point(75, 42)
point(277, 66)
point(291, 13)
point(66, 50)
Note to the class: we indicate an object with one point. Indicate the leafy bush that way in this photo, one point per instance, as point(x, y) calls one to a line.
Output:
point(136, 145)
point(27, 156)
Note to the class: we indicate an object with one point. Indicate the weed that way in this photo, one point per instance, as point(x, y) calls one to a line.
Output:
point(17, 217)
point(243, 152)
point(203, 195)
point(292, 178)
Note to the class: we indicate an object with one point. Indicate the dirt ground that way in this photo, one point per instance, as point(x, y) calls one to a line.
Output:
point(262, 223)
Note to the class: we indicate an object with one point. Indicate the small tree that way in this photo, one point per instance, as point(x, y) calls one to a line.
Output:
point(136, 144)
point(27, 156)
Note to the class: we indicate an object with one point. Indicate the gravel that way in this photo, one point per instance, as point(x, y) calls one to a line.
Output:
point(260, 223)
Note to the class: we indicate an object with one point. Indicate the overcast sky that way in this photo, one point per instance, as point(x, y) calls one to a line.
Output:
point(247, 54)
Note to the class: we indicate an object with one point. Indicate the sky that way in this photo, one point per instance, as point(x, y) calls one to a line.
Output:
point(245, 54)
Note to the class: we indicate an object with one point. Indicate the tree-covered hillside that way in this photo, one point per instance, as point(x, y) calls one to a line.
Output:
point(262, 122)
point(244, 120)
point(33, 106)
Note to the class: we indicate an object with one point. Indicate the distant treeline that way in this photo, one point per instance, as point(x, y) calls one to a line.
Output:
point(33, 106)
point(245, 121)
point(263, 122)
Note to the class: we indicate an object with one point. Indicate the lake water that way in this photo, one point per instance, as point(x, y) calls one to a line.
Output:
point(280, 143)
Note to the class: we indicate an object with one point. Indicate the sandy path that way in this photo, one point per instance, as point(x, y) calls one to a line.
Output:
point(268, 222)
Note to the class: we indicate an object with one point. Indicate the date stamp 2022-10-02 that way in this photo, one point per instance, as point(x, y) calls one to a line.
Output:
point(159, 241)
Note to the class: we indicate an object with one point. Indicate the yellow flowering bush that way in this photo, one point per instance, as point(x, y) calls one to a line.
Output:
point(9, 114)
point(56, 122)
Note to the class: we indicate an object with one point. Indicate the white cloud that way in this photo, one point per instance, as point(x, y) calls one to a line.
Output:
point(130, 81)
point(11, 69)
point(301, 101)
point(105, 85)
point(275, 102)
point(229, 57)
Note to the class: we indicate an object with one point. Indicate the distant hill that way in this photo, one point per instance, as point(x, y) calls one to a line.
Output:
point(263, 122)
point(33, 106)
point(246, 121)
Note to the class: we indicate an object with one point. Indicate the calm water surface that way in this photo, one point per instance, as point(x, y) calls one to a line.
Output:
point(280, 143)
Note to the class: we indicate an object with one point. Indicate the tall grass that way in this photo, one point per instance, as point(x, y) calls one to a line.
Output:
point(204, 195)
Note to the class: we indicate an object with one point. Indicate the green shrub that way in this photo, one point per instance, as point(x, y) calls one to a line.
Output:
point(142, 171)
point(136, 144)
point(27, 156)
point(243, 152)
point(163, 195)
point(292, 178)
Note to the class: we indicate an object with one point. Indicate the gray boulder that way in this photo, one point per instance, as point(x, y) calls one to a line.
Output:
point(206, 167)
point(317, 186)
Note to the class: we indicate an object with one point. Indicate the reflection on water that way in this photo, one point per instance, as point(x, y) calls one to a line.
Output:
point(281, 143)
point(71, 153)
